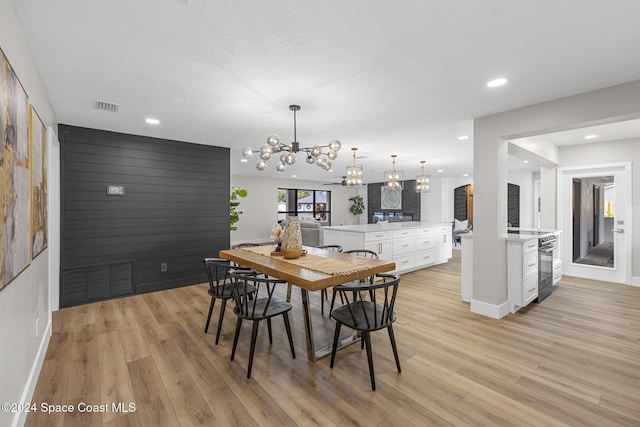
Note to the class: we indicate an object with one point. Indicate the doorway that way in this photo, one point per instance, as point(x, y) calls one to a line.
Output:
point(589, 225)
point(594, 210)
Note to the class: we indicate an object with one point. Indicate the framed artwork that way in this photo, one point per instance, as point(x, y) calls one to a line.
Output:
point(15, 185)
point(390, 198)
point(38, 136)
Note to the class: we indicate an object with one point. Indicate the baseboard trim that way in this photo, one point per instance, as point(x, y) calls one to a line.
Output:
point(30, 387)
point(635, 281)
point(490, 310)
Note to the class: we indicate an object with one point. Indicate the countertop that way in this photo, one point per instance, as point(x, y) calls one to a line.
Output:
point(365, 228)
point(519, 237)
point(525, 236)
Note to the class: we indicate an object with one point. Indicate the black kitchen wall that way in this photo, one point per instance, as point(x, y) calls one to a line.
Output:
point(174, 211)
point(513, 205)
point(410, 200)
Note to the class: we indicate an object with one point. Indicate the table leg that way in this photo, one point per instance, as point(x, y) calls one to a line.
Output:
point(312, 353)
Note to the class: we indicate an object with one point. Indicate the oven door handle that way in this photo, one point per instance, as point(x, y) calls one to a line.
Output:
point(547, 250)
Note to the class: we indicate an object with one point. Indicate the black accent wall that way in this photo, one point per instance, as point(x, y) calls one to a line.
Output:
point(410, 200)
point(513, 205)
point(174, 211)
point(460, 206)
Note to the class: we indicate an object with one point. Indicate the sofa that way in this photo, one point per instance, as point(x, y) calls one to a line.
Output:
point(312, 232)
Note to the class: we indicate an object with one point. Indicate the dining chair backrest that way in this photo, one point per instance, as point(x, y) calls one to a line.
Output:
point(331, 248)
point(217, 272)
point(371, 307)
point(367, 253)
point(247, 306)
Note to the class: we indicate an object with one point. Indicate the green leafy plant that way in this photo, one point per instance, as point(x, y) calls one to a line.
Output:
point(234, 212)
point(357, 207)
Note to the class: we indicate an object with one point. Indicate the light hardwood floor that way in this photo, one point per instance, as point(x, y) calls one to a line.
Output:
point(572, 360)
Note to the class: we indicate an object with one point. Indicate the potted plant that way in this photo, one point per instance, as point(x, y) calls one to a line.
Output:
point(357, 208)
point(234, 212)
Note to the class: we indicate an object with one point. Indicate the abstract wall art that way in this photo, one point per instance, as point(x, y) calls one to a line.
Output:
point(38, 136)
point(15, 253)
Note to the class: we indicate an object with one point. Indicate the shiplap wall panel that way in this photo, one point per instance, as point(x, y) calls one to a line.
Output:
point(175, 210)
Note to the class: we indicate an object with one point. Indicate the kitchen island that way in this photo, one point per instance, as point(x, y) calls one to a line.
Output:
point(411, 245)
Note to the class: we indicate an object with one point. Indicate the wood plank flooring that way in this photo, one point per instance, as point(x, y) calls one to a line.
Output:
point(572, 360)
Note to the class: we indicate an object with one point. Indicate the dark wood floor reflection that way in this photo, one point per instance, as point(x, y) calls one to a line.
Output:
point(602, 255)
point(572, 360)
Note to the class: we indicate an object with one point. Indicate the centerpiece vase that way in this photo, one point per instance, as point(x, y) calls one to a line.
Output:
point(292, 239)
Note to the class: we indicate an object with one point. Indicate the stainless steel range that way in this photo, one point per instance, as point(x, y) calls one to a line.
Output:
point(547, 246)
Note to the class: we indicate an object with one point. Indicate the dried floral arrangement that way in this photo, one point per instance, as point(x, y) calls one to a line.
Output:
point(278, 233)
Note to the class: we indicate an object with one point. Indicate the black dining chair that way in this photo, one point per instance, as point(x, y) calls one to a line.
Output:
point(323, 293)
point(263, 306)
point(368, 308)
point(221, 288)
point(367, 253)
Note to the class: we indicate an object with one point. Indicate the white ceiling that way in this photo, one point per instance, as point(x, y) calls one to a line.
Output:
point(404, 77)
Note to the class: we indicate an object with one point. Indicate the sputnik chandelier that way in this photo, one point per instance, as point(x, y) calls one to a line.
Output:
point(315, 154)
point(423, 180)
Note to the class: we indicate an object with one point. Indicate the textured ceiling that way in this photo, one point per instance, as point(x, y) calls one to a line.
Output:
point(403, 77)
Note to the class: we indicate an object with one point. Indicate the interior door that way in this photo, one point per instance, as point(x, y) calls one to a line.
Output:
point(620, 270)
point(596, 214)
point(576, 209)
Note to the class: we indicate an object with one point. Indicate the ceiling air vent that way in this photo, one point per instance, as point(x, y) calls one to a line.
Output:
point(106, 106)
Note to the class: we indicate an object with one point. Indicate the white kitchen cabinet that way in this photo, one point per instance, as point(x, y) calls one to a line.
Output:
point(411, 245)
point(379, 242)
point(444, 247)
point(404, 249)
point(522, 272)
point(425, 246)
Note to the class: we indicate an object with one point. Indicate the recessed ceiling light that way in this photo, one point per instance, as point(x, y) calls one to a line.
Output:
point(463, 137)
point(465, 174)
point(526, 161)
point(294, 176)
point(440, 170)
point(591, 137)
point(244, 160)
point(152, 121)
point(497, 82)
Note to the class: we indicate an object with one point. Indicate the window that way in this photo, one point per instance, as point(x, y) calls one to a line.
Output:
point(305, 204)
point(609, 201)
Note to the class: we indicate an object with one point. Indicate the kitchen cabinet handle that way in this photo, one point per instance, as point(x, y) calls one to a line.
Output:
point(532, 289)
point(531, 265)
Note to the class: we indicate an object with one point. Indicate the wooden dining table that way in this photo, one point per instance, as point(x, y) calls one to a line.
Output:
point(318, 269)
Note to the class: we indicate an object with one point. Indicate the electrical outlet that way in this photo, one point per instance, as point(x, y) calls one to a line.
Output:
point(163, 267)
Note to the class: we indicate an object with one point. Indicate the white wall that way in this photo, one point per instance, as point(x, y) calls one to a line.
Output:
point(24, 303)
point(525, 181)
point(260, 206)
point(437, 205)
point(612, 152)
point(490, 158)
